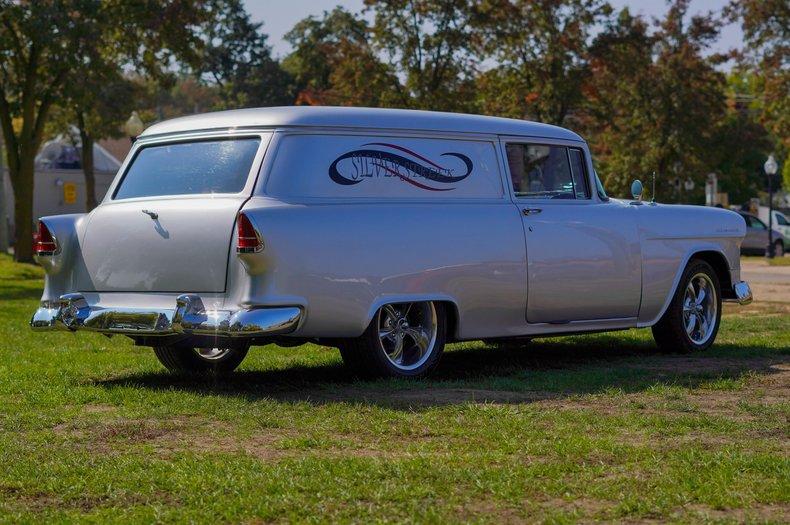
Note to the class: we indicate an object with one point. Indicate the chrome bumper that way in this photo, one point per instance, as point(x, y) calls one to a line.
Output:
point(72, 312)
point(742, 293)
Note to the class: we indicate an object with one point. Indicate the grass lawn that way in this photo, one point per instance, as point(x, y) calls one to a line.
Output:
point(569, 429)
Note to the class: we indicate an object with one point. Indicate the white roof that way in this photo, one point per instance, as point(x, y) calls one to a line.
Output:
point(64, 153)
point(347, 117)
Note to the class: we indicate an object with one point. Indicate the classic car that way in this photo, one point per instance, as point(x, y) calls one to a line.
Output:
point(384, 233)
point(757, 239)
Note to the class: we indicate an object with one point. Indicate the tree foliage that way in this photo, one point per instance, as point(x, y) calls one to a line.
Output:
point(236, 58)
point(540, 48)
point(655, 101)
point(334, 63)
point(427, 41)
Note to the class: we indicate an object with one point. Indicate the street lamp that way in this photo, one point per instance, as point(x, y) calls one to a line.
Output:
point(134, 126)
point(770, 167)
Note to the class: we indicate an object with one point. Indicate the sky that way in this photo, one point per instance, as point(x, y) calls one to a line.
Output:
point(279, 16)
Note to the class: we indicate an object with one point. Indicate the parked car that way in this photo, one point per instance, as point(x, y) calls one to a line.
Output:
point(780, 223)
point(756, 240)
point(385, 233)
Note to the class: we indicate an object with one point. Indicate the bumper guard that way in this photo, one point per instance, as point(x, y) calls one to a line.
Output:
point(72, 312)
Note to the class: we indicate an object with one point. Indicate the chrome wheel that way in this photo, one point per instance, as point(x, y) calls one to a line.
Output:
point(700, 308)
point(212, 354)
point(407, 333)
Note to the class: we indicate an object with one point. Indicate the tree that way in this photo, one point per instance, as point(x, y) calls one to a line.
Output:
point(43, 48)
point(334, 62)
point(40, 43)
point(98, 112)
point(428, 42)
point(656, 101)
point(742, 142)
point(766, 28)
point(237, 59)
point(541, 48)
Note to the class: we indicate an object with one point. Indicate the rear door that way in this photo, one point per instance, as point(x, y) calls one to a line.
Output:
point(167, 224)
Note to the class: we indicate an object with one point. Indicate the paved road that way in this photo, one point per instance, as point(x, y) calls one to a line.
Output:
point(760, 272)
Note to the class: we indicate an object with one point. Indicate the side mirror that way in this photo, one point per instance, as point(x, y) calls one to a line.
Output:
point(636, 190)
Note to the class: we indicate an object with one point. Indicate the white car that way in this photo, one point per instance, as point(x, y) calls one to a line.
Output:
point(385, 233)
point(780, 223)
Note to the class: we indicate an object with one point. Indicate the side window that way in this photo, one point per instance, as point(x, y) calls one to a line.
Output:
point(781, 221)
point(757, 224)
point(540, 171)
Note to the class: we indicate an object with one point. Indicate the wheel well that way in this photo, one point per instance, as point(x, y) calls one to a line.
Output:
point(452, 320)
point(721, 267)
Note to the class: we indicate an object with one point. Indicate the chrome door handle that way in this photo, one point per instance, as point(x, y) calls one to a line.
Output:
point(531, 211)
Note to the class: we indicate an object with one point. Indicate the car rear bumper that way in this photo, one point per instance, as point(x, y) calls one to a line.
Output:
point(741, 293)
point(72, 312)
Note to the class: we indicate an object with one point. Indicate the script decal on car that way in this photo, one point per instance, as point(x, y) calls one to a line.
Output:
point(406, 165)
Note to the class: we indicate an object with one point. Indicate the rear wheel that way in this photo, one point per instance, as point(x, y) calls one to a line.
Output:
point(183, 360)
point(692, 319)
point(779, 249)
point(402, 340)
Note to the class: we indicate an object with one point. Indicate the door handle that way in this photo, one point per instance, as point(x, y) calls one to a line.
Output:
point(151, 214)
point(531, 211)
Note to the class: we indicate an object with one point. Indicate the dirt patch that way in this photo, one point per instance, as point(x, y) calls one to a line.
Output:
point(37, 501)
point(757, 513)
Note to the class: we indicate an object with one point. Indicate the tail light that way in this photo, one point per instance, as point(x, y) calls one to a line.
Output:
point(43, 241)
point(249, 239)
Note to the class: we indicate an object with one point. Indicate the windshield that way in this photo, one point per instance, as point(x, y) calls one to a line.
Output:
point(184, 168)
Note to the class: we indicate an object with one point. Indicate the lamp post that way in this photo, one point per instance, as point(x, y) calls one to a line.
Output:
point(134, 126)
point(770, 167)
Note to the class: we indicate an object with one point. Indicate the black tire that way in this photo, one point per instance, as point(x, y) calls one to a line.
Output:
point(366, 357)
point(670, 332)
point(779, 249)
point(184, 360)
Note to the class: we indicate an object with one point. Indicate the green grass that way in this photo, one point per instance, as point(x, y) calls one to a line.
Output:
point(571, 429)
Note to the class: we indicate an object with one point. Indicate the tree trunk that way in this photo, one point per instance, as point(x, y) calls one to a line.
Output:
point(22, 182)
point(87, 164)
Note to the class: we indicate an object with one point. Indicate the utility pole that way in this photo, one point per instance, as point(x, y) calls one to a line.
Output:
point(3, 212)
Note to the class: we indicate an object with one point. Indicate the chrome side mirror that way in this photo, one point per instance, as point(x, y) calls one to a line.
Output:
point(636, 190)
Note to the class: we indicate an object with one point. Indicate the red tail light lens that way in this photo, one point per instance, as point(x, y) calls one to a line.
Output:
point(43, 241)
point(249, 240)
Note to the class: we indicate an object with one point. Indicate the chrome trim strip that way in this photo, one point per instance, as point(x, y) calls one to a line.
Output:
point(188, 317)
point(743, 293)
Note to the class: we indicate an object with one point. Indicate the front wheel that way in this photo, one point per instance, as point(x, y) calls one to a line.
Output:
point(402, 340)
point(692, 319)
point(182, 360)
point(779, 249)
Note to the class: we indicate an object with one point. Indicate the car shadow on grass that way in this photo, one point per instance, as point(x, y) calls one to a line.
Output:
point(476, 372)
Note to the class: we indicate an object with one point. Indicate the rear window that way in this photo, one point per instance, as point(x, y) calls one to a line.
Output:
point(187, 168)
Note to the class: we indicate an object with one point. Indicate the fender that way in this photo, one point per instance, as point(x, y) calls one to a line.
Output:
point(691, 252)
point(380, 301)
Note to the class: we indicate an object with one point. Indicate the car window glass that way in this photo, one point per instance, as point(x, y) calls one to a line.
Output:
point(219, 166)
point(579, 173)
point(757, 224)
point(780, 219)
point(540, 171)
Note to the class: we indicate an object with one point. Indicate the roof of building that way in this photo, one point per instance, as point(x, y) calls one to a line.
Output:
point(348, 117)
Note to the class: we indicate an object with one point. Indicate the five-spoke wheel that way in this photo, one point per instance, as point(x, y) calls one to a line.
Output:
point(692, 318)
point(403, 340)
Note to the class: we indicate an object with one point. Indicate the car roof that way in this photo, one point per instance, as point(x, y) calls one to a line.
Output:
point(364, 118)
